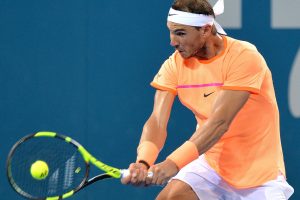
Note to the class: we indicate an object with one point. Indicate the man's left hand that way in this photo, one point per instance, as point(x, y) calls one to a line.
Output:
point(162, 172)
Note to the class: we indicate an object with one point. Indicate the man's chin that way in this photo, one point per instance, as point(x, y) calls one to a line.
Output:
point(184, 55)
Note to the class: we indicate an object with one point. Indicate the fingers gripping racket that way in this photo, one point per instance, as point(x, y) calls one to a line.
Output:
point(65, 162)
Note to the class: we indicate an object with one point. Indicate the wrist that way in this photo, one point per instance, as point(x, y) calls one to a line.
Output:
point(173, 163)
point(147, 153)
point(144, 163)
point(185, 154)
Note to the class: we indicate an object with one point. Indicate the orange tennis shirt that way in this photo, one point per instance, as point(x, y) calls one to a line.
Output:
point(249, 153)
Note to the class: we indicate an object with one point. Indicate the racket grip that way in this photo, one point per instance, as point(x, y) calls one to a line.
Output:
point(126, 172)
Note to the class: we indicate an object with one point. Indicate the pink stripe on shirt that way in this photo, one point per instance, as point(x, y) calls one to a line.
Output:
point(200, 85)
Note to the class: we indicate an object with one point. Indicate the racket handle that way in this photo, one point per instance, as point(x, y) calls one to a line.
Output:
point(126, 172)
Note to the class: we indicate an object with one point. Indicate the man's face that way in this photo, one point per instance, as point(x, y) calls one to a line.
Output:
point(187, 40)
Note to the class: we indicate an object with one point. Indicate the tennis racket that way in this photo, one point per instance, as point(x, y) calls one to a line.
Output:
point(68, 163)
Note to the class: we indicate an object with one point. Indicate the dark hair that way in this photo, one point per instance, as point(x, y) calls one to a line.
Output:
point(194, 6)
point(197, 7)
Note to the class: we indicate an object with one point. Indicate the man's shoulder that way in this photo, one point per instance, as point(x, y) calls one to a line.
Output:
point(239, 46)
point(240, 51)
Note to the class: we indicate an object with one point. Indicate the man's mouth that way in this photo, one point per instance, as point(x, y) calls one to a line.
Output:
point(180, 50)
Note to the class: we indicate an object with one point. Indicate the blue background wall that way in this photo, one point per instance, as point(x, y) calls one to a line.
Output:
point(82, 68)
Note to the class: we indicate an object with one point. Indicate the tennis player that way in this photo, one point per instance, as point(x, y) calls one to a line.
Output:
point(235, 152)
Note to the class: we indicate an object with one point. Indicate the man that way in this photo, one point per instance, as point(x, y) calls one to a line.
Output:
point(235, 151)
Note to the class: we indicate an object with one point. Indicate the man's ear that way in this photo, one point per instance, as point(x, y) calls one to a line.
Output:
point(207, 29)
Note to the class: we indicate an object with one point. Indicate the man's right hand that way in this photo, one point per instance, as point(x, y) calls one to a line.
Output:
point(137, 176)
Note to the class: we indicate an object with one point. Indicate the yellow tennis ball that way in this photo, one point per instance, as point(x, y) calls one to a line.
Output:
point(39, 170)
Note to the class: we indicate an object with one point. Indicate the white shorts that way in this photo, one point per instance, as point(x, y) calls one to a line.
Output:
point(208, 185)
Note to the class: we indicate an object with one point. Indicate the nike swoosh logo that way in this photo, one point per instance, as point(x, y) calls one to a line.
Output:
point(206, 95)
point(172, 14)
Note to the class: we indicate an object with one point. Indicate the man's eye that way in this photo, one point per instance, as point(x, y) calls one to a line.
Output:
point(180, 33)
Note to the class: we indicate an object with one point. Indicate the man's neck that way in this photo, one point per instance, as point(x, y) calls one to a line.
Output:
point(213, 46)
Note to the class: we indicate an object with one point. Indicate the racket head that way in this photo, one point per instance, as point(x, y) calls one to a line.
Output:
point(68, 169)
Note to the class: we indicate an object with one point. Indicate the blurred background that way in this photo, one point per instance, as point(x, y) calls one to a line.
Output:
point(83, 67)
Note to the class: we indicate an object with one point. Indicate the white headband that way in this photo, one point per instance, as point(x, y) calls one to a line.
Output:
point(193, 19)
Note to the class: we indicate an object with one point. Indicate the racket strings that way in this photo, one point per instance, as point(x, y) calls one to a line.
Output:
point(67, 169)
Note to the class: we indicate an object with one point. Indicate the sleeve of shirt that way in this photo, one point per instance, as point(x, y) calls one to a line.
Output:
point(246, 72)
point(167, 77)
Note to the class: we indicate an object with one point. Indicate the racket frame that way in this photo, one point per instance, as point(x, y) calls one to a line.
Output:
point(110, 172)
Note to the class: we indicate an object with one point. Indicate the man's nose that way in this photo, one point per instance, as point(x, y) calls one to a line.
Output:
point(173, 41)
